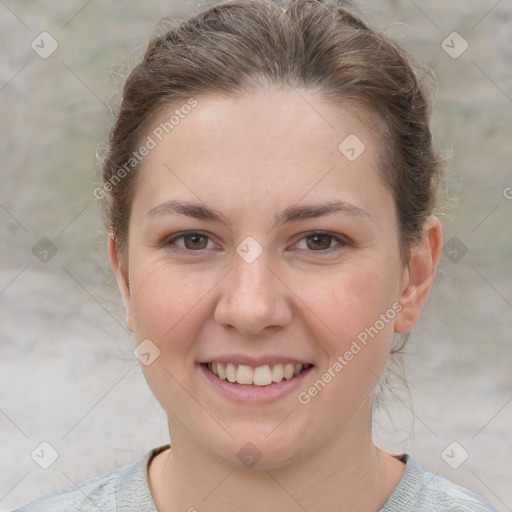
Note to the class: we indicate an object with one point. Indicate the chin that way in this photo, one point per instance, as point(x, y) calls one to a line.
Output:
point(256, 449)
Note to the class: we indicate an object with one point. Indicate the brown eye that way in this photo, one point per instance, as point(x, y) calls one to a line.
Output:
point(319, 241)
point(322, 243)
point(195, 241)
point(191, 241)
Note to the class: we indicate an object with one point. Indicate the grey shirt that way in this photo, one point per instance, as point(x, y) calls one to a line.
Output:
point(126, 489)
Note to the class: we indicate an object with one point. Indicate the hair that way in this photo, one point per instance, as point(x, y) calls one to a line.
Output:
point(241, 45)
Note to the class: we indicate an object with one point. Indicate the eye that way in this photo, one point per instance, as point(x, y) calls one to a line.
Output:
point(320, 242)
point(196, 241)
point(189, 241)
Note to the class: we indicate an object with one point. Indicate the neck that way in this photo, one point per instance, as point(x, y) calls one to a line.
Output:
point(338, 477)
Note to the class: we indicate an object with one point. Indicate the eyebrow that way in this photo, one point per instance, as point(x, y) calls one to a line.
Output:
point(290, 214)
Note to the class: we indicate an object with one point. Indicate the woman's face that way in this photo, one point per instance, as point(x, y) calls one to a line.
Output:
point(293, 260)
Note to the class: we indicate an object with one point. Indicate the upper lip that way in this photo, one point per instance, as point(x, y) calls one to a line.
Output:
point(254, 361)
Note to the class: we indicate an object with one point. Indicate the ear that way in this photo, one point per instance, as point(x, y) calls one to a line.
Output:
point(121, 270)
point(419, 275)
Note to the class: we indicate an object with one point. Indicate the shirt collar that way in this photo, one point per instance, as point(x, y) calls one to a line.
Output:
point(132, 490)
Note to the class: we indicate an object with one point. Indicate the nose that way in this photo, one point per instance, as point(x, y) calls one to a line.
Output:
point(253, 300)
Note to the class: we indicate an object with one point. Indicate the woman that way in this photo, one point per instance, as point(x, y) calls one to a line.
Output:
point(269, 190)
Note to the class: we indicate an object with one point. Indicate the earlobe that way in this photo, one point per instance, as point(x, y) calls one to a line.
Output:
point(419, 275)
point(122, 278)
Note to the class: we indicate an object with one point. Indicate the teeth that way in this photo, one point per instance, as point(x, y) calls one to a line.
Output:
point(277, 373)
point(230, 372)
point(259, 376)
point(262, 376)
point(244, 374)
point(288, 370)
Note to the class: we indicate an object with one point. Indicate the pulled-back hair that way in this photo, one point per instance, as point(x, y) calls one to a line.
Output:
point(240, 45)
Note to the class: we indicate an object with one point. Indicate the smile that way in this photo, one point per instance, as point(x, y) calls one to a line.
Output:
point(265, 375)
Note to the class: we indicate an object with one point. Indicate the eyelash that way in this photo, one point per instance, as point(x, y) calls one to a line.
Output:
point(170, 241)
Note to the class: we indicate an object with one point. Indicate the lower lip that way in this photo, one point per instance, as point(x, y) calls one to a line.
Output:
point(247, 393)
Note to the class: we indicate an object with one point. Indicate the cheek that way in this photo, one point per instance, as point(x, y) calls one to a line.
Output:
point(165, 303)
point(350, 299)
point(358, 307)
point(356, 310)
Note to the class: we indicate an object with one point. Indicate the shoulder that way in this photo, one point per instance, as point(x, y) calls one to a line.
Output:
point(108, 491)
point(420, 490)
point(93, 494)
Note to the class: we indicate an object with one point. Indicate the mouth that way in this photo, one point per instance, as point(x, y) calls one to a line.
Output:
point(259, 376)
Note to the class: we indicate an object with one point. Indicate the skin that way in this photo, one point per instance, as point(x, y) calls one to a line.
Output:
point(249, 157)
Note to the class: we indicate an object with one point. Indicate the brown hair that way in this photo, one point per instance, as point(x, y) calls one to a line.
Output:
point(240, 45)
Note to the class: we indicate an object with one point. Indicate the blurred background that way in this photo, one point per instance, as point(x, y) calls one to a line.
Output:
point(68, 376)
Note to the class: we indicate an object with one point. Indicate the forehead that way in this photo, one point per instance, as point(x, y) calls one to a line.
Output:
point(281, 144)
point(269, 117)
